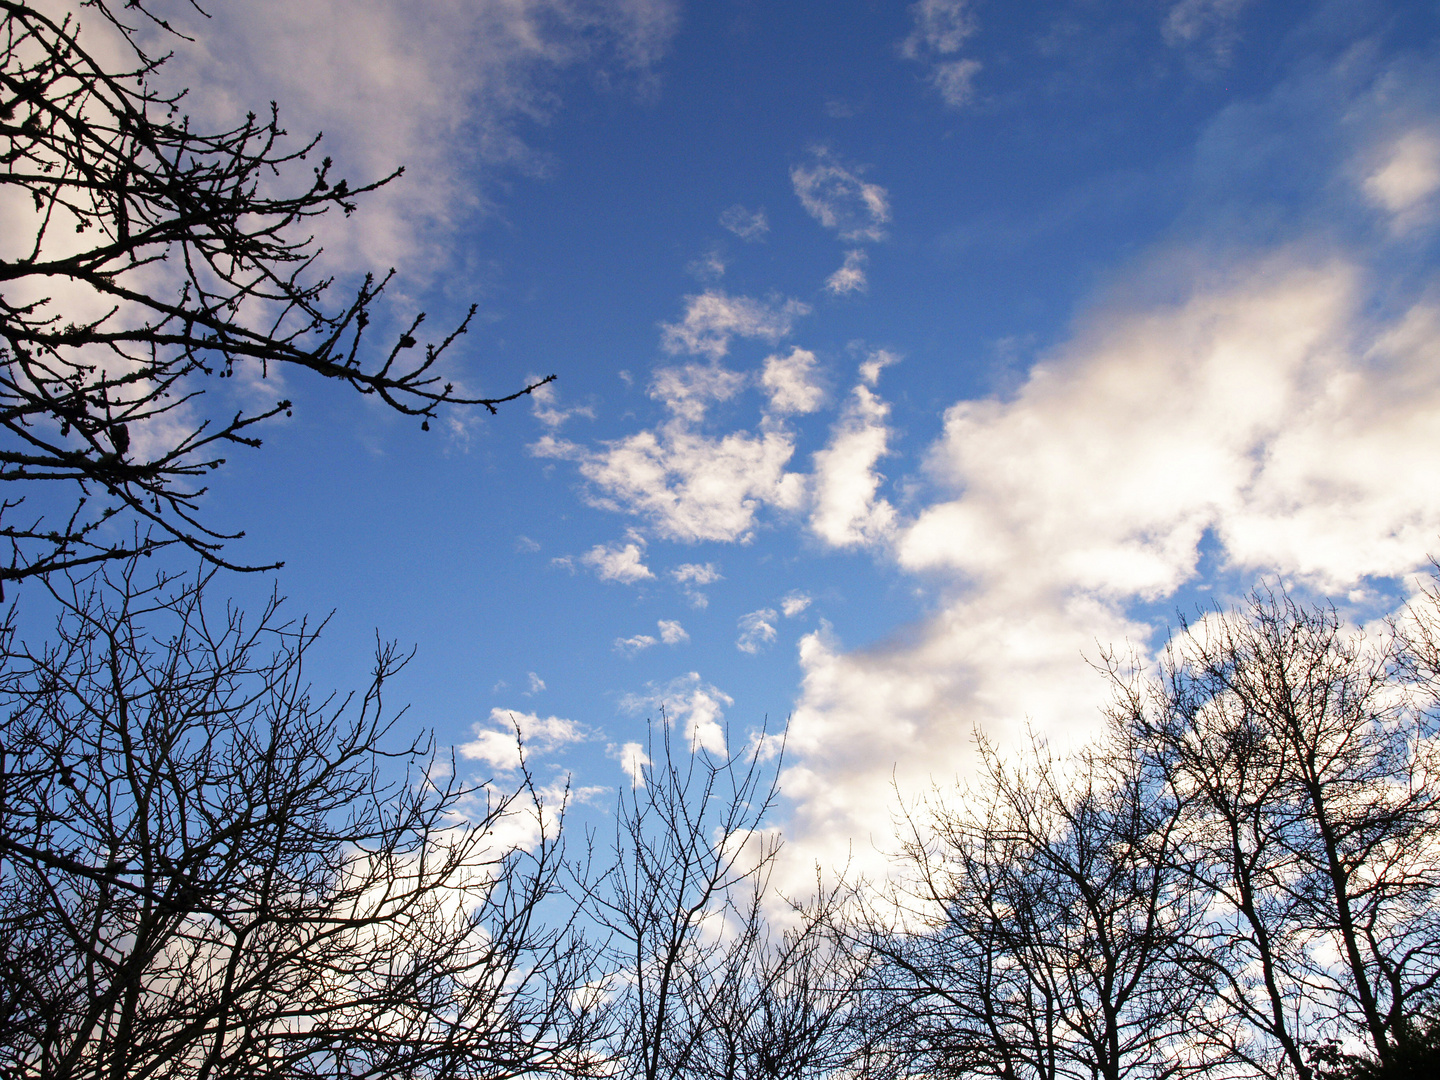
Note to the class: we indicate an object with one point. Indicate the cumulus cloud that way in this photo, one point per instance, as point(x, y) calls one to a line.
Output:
point(1263, 409)
point(623, 563)
point(757, 629)
point(743, 223)
point(834, 195)
point(1407, 178)
point(632, 645)
point(845, 511)
point(497, 744)
point(851, 275)
point(875, 363)
point(713, 318)
point(791, 382)
point(537, 684)
point(633, 760)
point(672, 633)
point(687, 391)
point(692, 577)
point(794, 603)
point(690, 702)
point(697, 573)
point(689, 485)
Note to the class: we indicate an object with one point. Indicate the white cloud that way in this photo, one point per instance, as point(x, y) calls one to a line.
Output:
point(689, 485)
point(757, 629)
point(794, 603)
point(955, 79)
point(708, 267)
point(672, 633)
point(791, 382)
point(632, 645)
point(1240, 409)
point(941, 28)
point(1408, 177)
point(687, 391)
point(618, 563)
point(745, 224)
point(544, 405)
point(498, 747)
point(699, 705)
point(875, 363)
point(1191, 21)
point(1262, 409)
point(844, 509)
point(697, 573)
point(851, 275)
point(714, 317)
point(445, 87)
point(537, 684)
point(633, 760)
point(835, 196)
point(692, 577)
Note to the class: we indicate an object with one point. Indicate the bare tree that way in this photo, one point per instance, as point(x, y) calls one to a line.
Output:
point(142, 258)
point(704, 985)
point(1042, 932)
point(207, 872)
point(1304, 758)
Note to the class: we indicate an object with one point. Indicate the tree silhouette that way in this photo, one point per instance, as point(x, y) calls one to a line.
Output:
point(207, 872)
point(141, 259)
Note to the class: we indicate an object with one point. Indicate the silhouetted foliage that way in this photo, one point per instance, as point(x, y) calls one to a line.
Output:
point(1242, 879)
point(1043, 931)
point(207, 872)
point(703, 984)
point(1305, 761)
point(139, 259)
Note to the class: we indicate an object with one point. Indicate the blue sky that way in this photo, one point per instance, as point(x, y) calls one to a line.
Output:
point(908, 357)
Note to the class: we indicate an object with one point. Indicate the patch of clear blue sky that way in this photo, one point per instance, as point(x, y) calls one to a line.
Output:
point(1091, 145)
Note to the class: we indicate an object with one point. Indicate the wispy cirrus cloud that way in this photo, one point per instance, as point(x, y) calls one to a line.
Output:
point(941, 28)
point(834, 194)
point(1208, 22)
point(749, 225)
point(444, 87)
